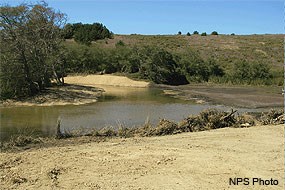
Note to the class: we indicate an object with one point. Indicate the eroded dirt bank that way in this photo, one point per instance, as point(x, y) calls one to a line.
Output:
point(201, 160)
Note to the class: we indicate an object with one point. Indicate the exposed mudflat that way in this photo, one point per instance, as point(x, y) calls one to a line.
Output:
point(200, 160)
point(239, 96)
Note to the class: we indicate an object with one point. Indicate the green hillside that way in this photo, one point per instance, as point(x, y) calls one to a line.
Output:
point(225, 48)
point(234, 59)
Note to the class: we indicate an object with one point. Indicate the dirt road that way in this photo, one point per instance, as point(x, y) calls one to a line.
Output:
point(201, 160)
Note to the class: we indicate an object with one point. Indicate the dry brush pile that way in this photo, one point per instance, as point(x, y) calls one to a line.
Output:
point(206, 120)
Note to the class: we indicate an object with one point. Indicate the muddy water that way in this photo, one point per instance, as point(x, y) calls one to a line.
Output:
point(118, 106)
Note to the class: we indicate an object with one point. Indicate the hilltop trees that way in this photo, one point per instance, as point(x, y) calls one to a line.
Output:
point(86, 33)
point(30, 49)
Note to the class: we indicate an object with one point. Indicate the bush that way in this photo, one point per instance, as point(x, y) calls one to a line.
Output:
point(214, 33)
point(188, 34)
point(195, 32)
point(250, 73)
point(204, 34)
point(160, 67)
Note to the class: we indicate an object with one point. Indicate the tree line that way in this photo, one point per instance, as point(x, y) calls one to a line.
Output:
point(32, 55)
point(163, 67)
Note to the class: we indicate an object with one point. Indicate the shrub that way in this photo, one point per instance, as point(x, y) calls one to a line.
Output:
point(195, 32)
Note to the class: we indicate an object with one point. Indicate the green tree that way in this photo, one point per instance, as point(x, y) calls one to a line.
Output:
point(160, 67)
point(86, 33)
point(68, 31)
point(194, 67)
point(215, 69)
point(214, 33)
point(188, 34)
point(30, 47)
point(204, 34)
point(195, 32)
point(179, 33)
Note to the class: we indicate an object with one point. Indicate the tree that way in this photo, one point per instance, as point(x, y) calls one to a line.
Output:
point(195, 32)
point(204, 34)
point(30, 47)
point(179, 33)
point(160, 67)
point(214, 33)
point(194, 67)
point(68, 31)
point(86, 33)
point(215, 69)
point(188, 34)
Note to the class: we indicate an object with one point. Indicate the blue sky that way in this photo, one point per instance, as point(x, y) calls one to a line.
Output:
point(169, 17)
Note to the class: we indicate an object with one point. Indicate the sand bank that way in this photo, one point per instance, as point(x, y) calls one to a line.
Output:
point(110, 80)
point(77, 91)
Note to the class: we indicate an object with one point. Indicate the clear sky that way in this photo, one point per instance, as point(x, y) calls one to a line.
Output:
point(169, 17)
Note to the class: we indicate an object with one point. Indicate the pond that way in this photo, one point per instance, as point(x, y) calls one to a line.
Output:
point(118, 106)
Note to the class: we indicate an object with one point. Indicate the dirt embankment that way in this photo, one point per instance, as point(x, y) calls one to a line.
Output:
point(201, 160)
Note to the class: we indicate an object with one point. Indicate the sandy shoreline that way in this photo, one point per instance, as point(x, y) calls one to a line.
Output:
point(77, 91)
point(69, 94)
point(109, 80)
point(201, 160)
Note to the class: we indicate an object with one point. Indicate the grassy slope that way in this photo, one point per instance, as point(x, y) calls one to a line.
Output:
point(224, 48)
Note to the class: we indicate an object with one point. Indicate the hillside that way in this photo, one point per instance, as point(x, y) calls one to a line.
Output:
point(179, 59)
point(225, 48)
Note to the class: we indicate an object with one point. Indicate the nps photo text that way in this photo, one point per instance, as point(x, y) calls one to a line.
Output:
point(253, 181)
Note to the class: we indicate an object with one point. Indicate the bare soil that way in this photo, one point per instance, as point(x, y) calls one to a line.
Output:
point(201, 160)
